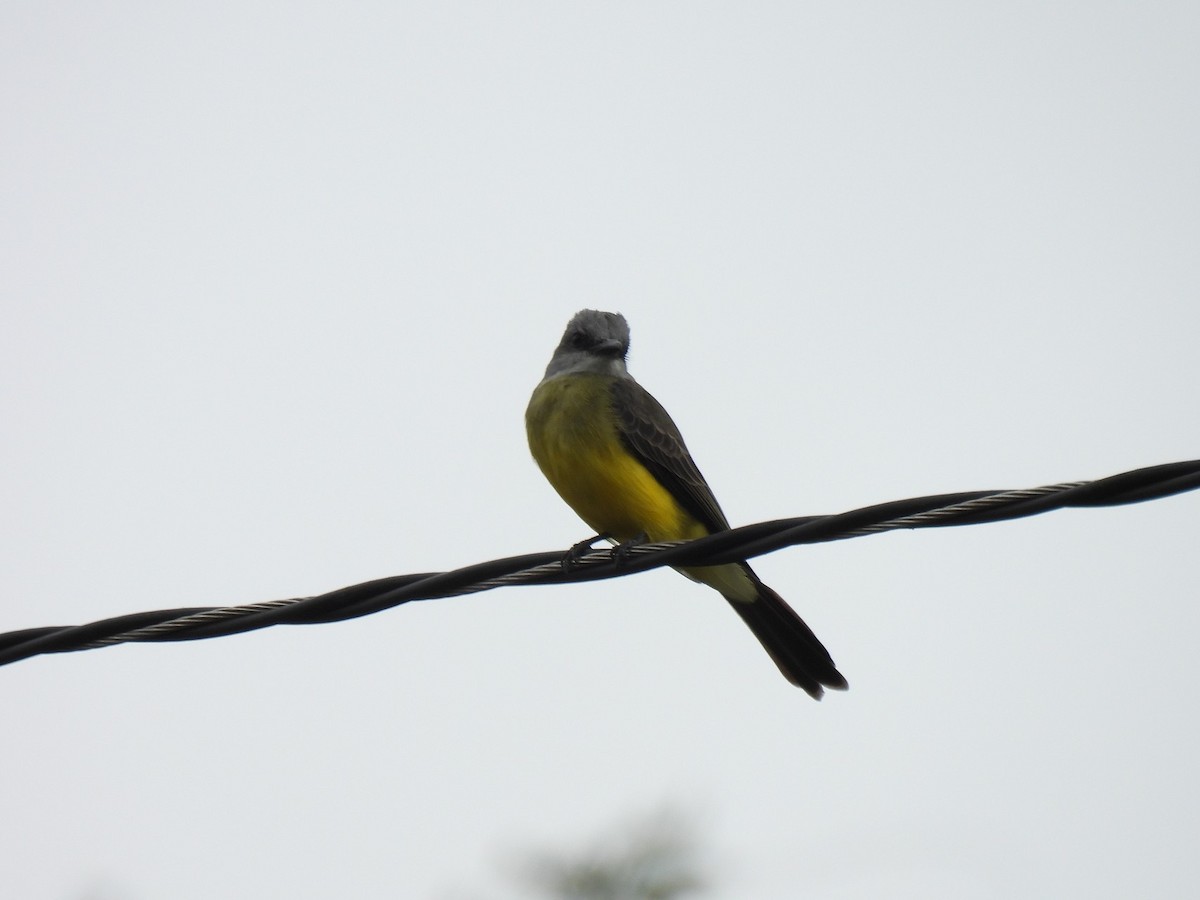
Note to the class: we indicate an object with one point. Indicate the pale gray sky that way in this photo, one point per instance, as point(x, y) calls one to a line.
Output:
point(277, 282)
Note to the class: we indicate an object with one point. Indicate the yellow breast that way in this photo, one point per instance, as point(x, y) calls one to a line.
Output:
point(573, 435)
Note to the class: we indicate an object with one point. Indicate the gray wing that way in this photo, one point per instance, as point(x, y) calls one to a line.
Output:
point(652, 438)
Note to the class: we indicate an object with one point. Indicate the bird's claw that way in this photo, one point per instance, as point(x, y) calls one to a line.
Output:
point(621, 552)
point(572, 557)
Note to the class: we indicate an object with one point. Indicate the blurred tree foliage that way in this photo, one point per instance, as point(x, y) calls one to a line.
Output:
point(653, 859)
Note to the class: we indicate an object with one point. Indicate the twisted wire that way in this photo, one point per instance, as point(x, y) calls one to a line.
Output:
point(555, 567)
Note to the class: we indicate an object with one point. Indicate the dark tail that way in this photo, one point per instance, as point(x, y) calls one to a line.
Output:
point(801, 658)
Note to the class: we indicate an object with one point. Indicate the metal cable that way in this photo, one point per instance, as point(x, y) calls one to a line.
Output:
point(555, 567)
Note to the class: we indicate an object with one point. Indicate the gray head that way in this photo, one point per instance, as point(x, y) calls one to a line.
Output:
point(595, 342)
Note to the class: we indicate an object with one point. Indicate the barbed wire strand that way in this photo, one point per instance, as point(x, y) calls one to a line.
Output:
point(555, 567)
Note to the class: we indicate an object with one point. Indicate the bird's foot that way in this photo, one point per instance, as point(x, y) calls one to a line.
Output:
point(572, 557)
point(621, 552)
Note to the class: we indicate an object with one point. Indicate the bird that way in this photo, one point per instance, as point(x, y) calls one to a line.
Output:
point(616, 457)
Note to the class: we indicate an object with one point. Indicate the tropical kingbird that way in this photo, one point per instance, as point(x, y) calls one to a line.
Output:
point(612, 452)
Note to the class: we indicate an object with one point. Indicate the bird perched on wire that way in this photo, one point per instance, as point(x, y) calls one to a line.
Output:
point(614, 455)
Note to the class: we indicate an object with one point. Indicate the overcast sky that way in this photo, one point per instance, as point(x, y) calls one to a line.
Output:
point(277, 281)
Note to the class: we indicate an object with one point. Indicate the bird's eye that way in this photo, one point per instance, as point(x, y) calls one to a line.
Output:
point(579, 340)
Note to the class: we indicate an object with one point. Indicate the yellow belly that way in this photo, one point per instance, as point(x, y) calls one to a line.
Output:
point(573, 436)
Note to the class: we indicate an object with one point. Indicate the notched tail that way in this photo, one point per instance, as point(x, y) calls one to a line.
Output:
point(801, 658)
